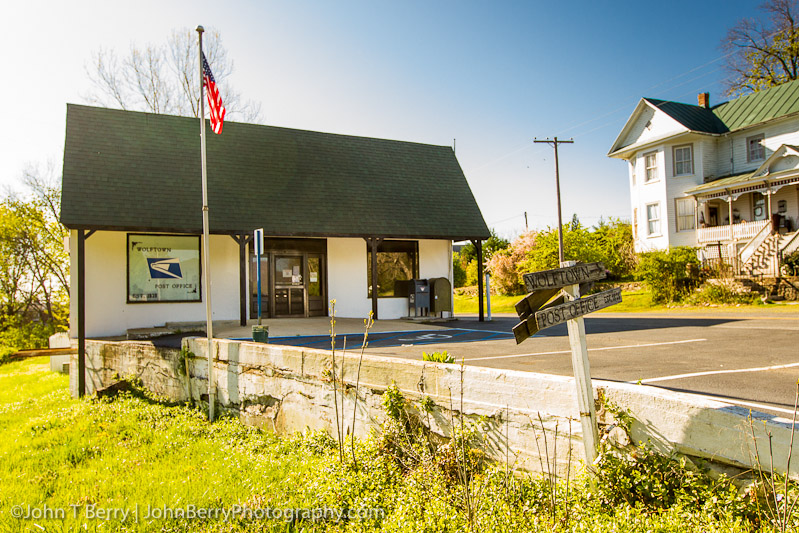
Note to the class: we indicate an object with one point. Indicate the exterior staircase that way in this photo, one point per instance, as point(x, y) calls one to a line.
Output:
point(764, 259)
point(760, 272)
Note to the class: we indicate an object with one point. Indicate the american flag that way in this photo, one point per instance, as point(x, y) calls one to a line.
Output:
point(215, 105)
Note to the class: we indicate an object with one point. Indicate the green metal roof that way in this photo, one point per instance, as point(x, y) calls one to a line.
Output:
point(127, 170)
point(759, 107)
point(722, 183)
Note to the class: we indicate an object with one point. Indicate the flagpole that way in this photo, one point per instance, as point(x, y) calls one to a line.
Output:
point(206, 254)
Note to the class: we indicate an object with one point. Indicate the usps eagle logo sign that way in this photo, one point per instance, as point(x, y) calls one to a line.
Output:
point(164, 268)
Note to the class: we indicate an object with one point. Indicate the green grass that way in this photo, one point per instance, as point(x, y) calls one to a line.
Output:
point(58, 452)
point(632, 302)
point(134, 452)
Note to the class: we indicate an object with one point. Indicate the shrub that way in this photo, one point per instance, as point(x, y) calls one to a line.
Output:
point(471, 273)
point(790, 264)
point(720, 292)
point(458, 272)
point(504, 266)
point(610, 242)
point(665, 274)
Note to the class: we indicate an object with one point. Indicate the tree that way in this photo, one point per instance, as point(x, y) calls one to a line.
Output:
point(763, 54)
point(34, 266)
point(165, 78)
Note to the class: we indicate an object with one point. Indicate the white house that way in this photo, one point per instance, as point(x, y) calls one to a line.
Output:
point(723, 178)
point(345, 218)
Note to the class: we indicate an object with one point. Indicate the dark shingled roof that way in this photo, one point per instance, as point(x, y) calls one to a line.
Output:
point(693, 117)
point(127, 170)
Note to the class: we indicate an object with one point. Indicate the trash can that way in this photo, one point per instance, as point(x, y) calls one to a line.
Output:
point(260, 334)
point(419, 297)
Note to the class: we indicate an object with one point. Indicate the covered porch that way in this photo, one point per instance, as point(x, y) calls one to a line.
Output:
point(750, 217)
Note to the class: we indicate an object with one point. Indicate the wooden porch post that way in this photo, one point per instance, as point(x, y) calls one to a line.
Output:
point(372, 244)
point(81, 313)
point(82, 236)
point(478, 244)
point(729, 213)
point(242, 241)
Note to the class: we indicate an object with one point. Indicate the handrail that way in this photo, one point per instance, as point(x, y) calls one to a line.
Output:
point(759, 238)
point(790, 241)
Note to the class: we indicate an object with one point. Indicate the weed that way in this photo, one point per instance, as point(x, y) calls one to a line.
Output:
point(438, 357)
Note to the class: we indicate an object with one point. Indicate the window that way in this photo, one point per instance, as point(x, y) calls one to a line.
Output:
point(685, 214)
point(651, 164)
point(653, 219)
point(635, 223)
point(632, 170)
point(755, 150)
point(397, 261)
point(683, 160)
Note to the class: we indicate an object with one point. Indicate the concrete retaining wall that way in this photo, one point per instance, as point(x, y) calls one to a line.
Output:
point(288, 389)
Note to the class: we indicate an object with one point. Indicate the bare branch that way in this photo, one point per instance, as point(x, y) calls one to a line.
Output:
point(763, 55)
point(165, 78)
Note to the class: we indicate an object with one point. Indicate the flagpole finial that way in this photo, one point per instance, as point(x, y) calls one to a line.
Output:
point(200, 29)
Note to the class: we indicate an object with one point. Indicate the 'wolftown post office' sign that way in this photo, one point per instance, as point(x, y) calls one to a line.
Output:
point(536, 314)
point(546, 284)
point(163, 268)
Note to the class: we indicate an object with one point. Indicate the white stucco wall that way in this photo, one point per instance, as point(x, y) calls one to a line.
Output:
point(109, 314)
point(347, 277)
point(107, 310)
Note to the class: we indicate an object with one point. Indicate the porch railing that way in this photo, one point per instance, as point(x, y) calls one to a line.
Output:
point(740, 231)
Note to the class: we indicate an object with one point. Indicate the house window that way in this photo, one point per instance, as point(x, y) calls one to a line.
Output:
point(653, 219)
point(685, 214)
point(632, 170)
point(683, 160)
point(651, 164)
point(755, 150)
point(635, 223)
point(397, 261)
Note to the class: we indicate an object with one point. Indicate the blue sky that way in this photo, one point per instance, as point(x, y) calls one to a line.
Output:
point(492, 75)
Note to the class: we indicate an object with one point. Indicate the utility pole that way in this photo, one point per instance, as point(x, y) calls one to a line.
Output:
point(555, 142)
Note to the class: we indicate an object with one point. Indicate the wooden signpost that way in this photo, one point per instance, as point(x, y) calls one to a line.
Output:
point(537, 312)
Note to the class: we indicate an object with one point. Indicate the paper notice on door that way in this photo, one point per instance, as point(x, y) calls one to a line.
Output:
point(296, 271)
point(286, 272)
point(295, 279)
point(314, 277)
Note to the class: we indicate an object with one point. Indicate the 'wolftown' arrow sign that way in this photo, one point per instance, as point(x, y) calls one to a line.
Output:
point(561, 277)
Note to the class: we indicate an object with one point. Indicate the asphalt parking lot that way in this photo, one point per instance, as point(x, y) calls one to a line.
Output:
point(749, 358)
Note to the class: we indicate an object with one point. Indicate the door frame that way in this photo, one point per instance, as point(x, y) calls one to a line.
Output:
point(303, 248)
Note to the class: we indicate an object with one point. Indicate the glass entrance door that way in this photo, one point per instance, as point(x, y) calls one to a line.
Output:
point(289, 276)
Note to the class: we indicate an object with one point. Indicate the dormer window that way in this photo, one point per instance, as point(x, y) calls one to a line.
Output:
point(755, 149)
point(683, 160)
